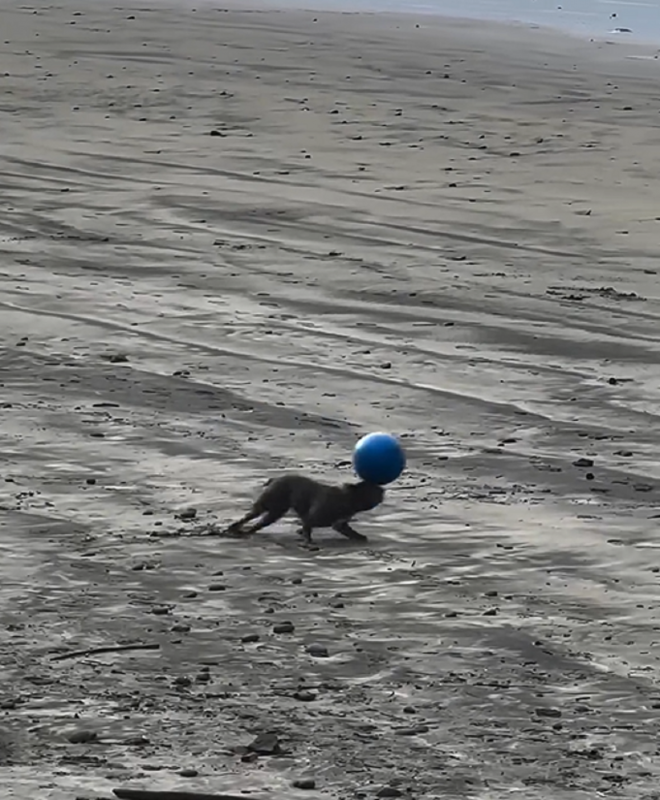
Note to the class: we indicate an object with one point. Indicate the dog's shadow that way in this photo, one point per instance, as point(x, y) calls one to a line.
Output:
point(290, 540)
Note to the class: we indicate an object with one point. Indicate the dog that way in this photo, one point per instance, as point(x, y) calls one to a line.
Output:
point(316, 504)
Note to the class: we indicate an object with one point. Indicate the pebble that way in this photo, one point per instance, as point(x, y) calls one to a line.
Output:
point(82, 737)
point(188, 773)
point(284, 627)
point(249, 638)
point(187, 514)
point(412, 731)
point(317, 650)
point(389, 791)
point(180, 627)
point(304, 783)
point(583, 462)
point(305, 695)
point(547, 712)
point(265, 744)
point(136, 741)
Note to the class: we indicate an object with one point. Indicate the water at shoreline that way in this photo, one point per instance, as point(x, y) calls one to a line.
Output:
point(638, 21)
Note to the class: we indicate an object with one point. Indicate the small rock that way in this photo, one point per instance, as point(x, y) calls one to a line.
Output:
point(118, 358)
point(250, 638)
point(136, 741)
point(389, 791)
point(304, 783)
point(305, 695)
point(82, 737)
point(180, 627)
point(217, 587)
point(188, 773)
point(412, 731)
point(265, 744)
point(284, 627)
point(583, 462)
point(490, 612)
point(317, 650)
point(187, 514)
point(547, 712)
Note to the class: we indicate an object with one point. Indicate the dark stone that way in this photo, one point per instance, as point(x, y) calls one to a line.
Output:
point(305, 695)
point(317, 650)
point(304, 783)
point(82, 737)
point(389, 791)
point(547, 712)
point(284, 627)
point(265, 744)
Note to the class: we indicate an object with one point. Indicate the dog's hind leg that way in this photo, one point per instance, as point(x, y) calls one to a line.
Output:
point(347, 530)
point(267, 519)
point(238, 526)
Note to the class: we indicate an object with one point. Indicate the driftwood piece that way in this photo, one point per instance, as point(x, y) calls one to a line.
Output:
point(117, 648)
point(144, 794)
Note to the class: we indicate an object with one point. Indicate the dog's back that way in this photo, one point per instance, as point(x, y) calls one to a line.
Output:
point(316, 502)
point(297, 493)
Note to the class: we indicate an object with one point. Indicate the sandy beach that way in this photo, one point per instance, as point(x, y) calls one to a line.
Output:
point(233, 241)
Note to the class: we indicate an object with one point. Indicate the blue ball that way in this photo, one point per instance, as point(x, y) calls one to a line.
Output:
point(379, 458)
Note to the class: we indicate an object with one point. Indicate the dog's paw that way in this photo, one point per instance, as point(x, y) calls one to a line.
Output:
point(228, 532)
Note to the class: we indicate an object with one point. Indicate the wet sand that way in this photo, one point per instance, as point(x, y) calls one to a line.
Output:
point(232, 242)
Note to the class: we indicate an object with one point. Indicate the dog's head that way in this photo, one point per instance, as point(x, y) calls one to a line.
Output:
point(364, 495)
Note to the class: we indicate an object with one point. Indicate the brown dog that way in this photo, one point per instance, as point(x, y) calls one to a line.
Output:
point(316, 504)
